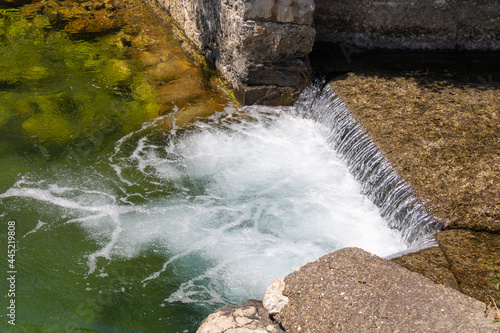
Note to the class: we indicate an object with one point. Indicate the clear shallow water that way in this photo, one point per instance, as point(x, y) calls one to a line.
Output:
point(127, 229)
point(168, 225)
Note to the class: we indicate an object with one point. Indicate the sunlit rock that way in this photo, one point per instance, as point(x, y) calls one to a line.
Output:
point(274, 300)
point(249, 317)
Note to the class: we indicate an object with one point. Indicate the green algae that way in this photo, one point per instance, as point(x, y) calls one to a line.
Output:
point(69, 77)
point(56, 91)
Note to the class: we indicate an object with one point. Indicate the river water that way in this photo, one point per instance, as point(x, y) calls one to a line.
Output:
point(159, 231)
point(150, 227)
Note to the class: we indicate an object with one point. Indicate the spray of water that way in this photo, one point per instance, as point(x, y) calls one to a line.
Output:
point(239, 199)
point(380, 182)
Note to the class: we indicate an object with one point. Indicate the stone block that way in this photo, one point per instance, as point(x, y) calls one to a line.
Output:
point(281, 11)
point(261, 44)
point(354, 291)
point(249, 317)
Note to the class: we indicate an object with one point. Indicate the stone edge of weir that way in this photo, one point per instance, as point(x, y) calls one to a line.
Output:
point(355, 291)
point(259, 48)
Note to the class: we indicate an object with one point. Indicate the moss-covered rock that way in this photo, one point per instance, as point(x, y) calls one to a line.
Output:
point(4, 115)
point(14, 3)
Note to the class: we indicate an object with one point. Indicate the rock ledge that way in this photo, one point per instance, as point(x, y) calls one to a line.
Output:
point(355, 291)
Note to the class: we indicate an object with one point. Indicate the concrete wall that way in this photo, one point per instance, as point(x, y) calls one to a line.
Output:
point(259, 47)
point(410, 24)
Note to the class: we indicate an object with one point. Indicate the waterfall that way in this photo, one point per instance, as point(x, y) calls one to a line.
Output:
point(181, 221)
point(367, 163)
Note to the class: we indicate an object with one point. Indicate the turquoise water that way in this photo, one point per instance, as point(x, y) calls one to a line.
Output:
point(123, 223)
point(157, 232)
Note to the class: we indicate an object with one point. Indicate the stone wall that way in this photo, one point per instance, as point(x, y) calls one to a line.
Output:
point(259, 47)
point(410, 24)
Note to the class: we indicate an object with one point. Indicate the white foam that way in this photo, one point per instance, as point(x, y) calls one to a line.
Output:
point(233, 203)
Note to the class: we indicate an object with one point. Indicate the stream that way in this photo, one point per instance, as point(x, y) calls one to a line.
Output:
point(124, 221)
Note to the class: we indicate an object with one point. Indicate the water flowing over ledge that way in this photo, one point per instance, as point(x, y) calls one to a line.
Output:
point(181, 221)
point(380, 182)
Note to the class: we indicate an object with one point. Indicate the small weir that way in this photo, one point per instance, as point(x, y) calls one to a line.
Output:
point(381, 183)
point(170, 224)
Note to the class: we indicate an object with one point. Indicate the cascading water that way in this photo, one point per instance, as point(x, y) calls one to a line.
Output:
point(157, 233)
point(387, 190)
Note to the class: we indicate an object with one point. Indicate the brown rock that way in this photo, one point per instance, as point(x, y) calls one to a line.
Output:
point(198, 110)
point(32, 10)
point(171, 70)
point(440, 132)
point(181, 91)
point(431, 263)
point(472, 256)
point(354, 291)
point(100, 23)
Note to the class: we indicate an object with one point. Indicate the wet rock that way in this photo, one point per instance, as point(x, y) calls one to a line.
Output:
point(249, 317)
point(99, 23)
point(354, 291)
point(14, 3)
point(181, 91)
point(89, 18)
point(32, 10)
point(195, 111)
point(153, 58)
point(171, 70)
point(266, 95)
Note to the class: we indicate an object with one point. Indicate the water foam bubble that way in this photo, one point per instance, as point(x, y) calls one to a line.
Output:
point(229, 204)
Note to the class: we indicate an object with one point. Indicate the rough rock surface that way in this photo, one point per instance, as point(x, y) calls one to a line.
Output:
point(352, 290)
point(441, 133)
point(259, 47)
point(274, 300)
point(249, 317)
point(401, 24)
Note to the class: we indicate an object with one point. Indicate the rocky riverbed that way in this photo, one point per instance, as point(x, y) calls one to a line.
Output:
point(441, 131)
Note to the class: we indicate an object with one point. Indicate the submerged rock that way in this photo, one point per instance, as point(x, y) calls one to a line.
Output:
point(14, 3)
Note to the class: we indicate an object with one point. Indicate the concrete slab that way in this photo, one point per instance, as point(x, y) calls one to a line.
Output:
point(351, 290)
